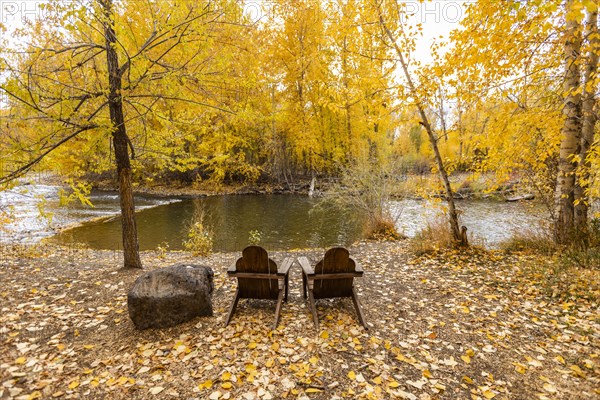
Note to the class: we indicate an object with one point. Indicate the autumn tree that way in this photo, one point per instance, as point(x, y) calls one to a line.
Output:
point(391, 34)
point(93, 68)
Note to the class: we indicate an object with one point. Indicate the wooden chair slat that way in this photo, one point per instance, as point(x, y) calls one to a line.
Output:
point(331, 277)
point(258, 277)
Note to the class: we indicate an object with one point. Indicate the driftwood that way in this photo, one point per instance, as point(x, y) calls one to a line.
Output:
point(521, 198)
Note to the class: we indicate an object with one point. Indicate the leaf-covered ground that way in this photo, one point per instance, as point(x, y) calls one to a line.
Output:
point(450, 326)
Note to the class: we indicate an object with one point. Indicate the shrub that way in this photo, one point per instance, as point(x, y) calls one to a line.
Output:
point(537, 241)
point(200, 237)
point(365, 187)
point(254, 237)
point(436, 236)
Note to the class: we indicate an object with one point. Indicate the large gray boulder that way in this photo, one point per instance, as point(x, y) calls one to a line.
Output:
point(169, 296)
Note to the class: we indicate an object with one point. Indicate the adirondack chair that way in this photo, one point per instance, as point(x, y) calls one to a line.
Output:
point(259, 277)
point(331, 277)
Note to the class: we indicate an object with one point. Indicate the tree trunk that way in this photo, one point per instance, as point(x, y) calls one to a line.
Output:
point(121, 143)
point(458, 235)
point(564, 196)
point(589, 121)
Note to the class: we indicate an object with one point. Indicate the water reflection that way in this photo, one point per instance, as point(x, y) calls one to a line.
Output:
point(284, 222)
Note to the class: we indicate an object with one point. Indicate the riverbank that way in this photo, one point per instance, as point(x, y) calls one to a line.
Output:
point(408, 185)
point(450, 326)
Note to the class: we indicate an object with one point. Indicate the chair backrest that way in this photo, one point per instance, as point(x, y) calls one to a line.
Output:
point(336, 260)
point(256, 260)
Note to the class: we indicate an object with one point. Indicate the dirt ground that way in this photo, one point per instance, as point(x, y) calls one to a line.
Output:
point(453, 326)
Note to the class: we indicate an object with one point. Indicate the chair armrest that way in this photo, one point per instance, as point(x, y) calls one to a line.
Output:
point(284, 268)
point(358, 268)
point(305, 264)
point(231, 269)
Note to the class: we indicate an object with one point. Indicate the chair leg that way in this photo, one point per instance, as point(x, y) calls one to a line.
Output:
point(278, 308)
point(287, 285)
point(313, 308)
point(304, 284)
point(233, 305)
point(361, 318)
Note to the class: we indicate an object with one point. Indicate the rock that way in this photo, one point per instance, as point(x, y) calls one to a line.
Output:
point(169, 296)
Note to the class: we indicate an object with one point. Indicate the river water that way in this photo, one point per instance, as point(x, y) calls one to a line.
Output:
point(283, 221)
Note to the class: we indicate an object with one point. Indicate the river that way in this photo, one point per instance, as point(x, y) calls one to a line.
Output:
point(283, 221)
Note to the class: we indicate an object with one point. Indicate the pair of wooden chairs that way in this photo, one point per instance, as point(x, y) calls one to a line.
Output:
point(259, 277)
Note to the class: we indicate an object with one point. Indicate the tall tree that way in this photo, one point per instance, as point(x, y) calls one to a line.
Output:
point(120, 140)
point(458, 233)
point(571, 131)
point(589, 119)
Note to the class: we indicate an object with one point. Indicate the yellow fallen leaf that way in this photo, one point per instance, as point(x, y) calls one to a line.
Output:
point(520, 368)
point(313, 360)
point(205, 385)
point(88, 346)
point(427, 374)
point(275, 346)
point(20, 360)
point(377, 380)
point(352, 375)
point(95, 382)
point(226, 385)
point(270, 362)
point(252, 345)
point(393, 384)
point(488, 394)
point(578, 371)
point(560, 359)
point(324, 335)
point(73, 385)
point(468, 380)
point(226, 376)
point(313, 390)
point(466, 359)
